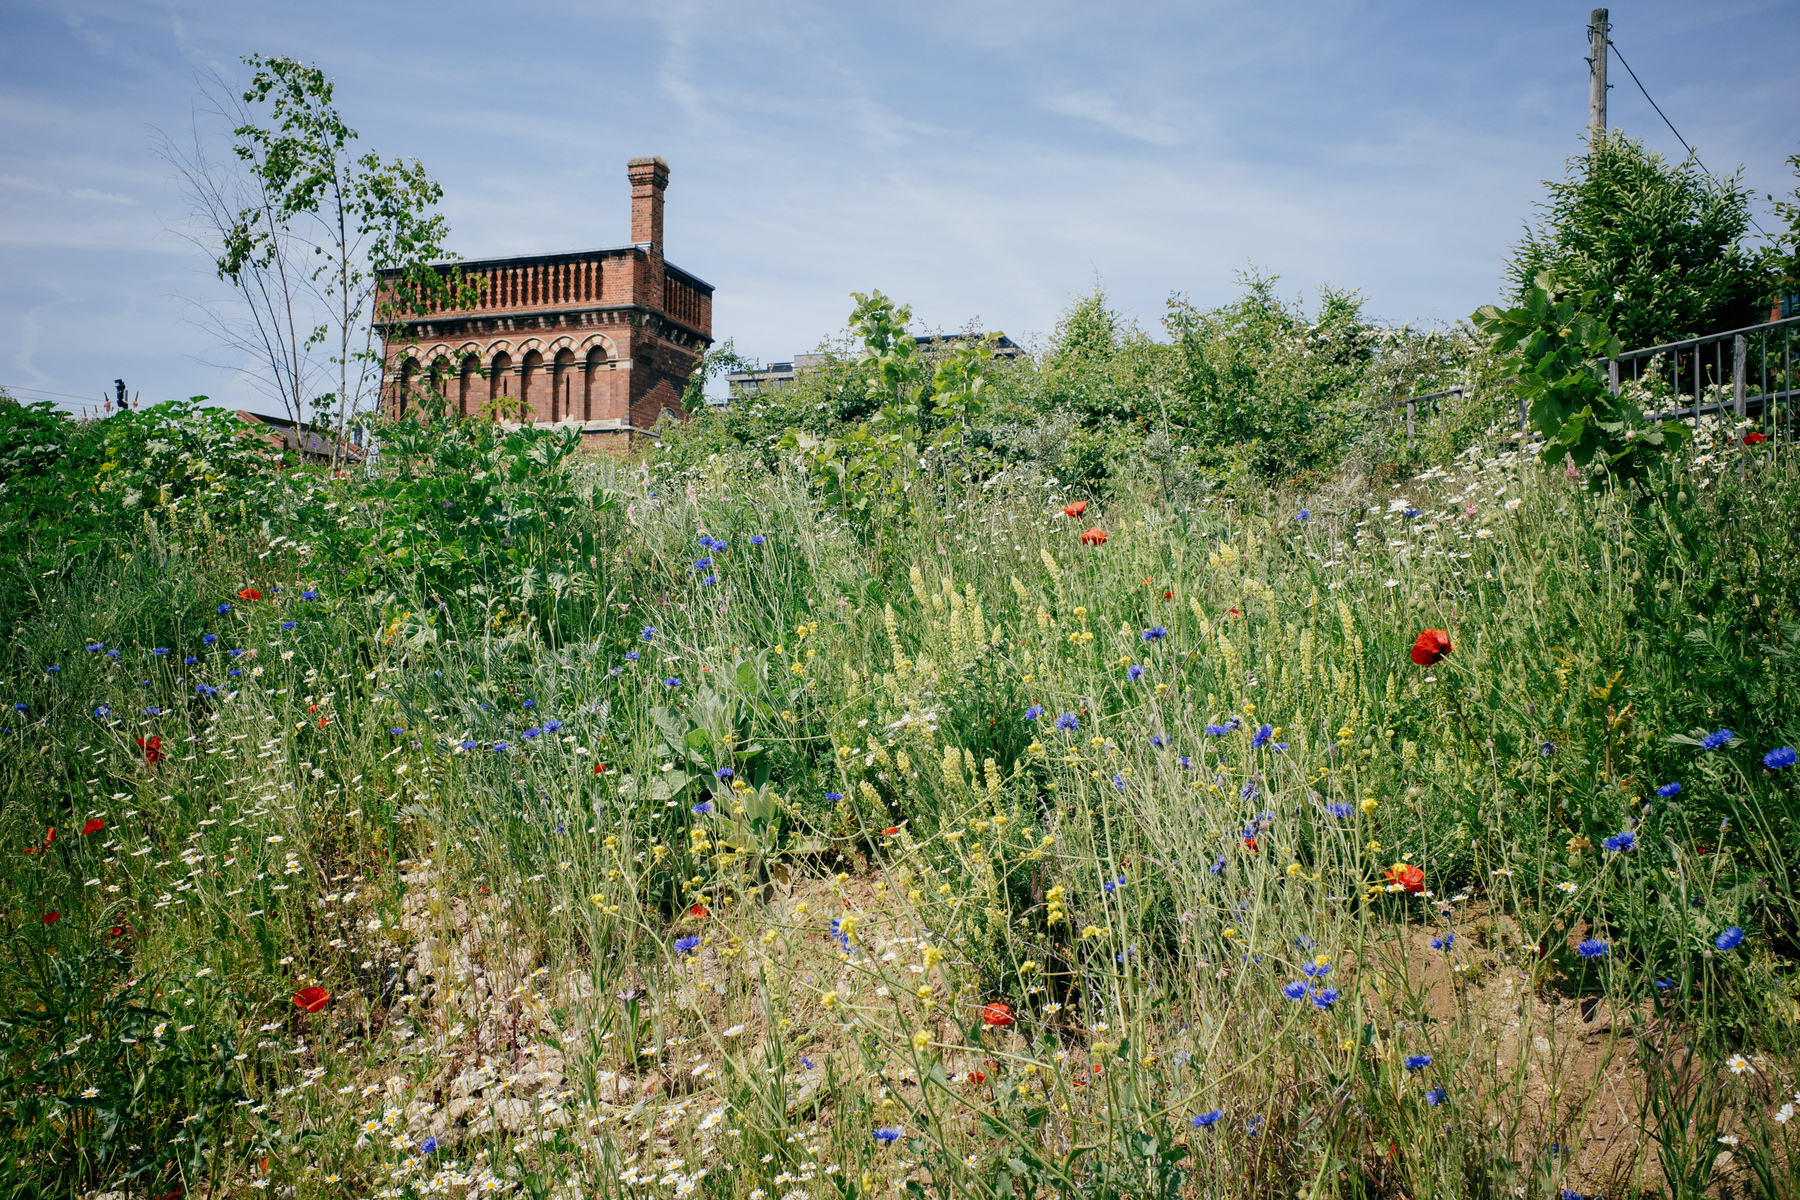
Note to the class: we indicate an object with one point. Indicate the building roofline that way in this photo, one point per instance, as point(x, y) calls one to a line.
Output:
point(560, 256)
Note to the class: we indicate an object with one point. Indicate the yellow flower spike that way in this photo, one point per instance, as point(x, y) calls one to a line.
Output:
point(921, 1039)
point(1369, 804)
point(1295, 868)
point(829, 999)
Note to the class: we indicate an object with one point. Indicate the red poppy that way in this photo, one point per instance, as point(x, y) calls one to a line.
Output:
point(324, 721)
point(891, 830)
point(311, 999)
point(1094, 537)
point(1409, 877)
point(1075, 509)
point(52, 918)
point(1754, 439)
point(116, 931)
point(153, 751)
point(1250, 844)
point(976, 1077)
point(996, 1014)
point(1169, 595)
point(1431, 648)
point(599, 768)
point(94, 825)
point(1232, 612)
point(698, 912)
point(50, 835)
point(249, 594)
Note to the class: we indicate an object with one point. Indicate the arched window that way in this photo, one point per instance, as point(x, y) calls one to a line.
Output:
point(562, 386)
point(589, 380)
point(408, 370)
point(500, 378)
point(440, 380)
point(528, 372)
point(471, 367)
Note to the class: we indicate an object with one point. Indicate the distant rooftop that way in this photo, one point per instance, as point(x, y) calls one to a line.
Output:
point(775, 376)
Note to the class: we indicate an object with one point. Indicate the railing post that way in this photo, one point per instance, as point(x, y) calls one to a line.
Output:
point(1739, 349)
point(1411, 405)
point(1612, 376)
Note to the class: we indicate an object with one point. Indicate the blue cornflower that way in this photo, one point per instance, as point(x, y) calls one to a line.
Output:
point(1187, 764)
point(1158, 741)
point(234, 674)
point(834, 797)
point(97, 646)
point(703, 564)
point(632, 656)
point(1715, 739)
point(1295, 991)
point(648, 634)
point(1417, 1062)
point(1665, 984)
point(1620, 842)
point(190, 660)
point(757, 539)
point(1205, 1119)
point(224, 608)
point(552, 725)
point(1729, 939)
point(500, 747)
point(1546, 749)
point(1303, 516)
point(235, 653)
point(887, 1135)
point(104, 711)
point(1264, 735)
point(1325, 998)
point(1253, 1126)
point(288, 624)
point(1316, 969)
point(1134, 672)
point(1248, 791)
point(1217, 868)
point(673, 681)
point(1410, 513)
point(1435, 1097)
point(706, 540)
point(309, 595)
point(703, 808)
point(1593, 948)
point(1217, 730)
point(616, 671)
point(1155, 635)
point(160, 650)
point(709, 581)
point(1779, 758)
point(205, 689)
point(428, 1146)
point(466, 745)
point(396, 732)
point(688, 944)
point(532, 732)
point(723, 773)
point(1669, 790)
point(1119, 782)
point(528, 704)
point(151, 711)
point(1067, 723)
point(1339, 809)
point(1110, 885)
point(1444, 942)
point(112, 654)
point(209, 639)
point(1034, 712)
point(808, 1063)
point(720, 547)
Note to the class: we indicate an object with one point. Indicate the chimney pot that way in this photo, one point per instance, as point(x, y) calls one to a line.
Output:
point(649, 178)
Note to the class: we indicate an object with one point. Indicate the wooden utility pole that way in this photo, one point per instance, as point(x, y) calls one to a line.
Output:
point(1597, 31)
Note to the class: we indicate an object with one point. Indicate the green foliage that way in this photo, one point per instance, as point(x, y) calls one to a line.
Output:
point(1659, 245)
point(1556, 344)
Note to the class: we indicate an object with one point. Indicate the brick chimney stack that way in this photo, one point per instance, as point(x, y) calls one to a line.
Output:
point(649, 178)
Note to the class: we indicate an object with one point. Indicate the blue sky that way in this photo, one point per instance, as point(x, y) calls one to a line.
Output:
point(983, 160)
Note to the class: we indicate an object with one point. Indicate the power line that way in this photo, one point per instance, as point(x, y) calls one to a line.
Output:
point(1665, 120)
point(16, 387)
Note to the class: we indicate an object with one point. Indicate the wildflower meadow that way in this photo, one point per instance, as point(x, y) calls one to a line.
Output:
point(506, 819)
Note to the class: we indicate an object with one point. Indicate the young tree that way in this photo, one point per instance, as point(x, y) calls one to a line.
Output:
point(357, 216)
point(1660, 246)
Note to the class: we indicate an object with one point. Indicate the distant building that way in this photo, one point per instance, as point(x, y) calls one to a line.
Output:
point(597, 340)
point(776, 376)
point(310, 442)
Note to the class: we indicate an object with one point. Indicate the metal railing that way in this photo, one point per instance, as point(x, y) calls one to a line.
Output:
point(1741, 370)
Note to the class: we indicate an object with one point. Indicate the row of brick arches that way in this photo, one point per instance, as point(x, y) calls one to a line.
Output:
point(525, 389)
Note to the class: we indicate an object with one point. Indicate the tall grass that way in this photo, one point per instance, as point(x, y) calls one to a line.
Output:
point(1076, 869)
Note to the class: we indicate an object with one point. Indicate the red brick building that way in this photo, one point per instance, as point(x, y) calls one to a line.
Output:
point(600, 340)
